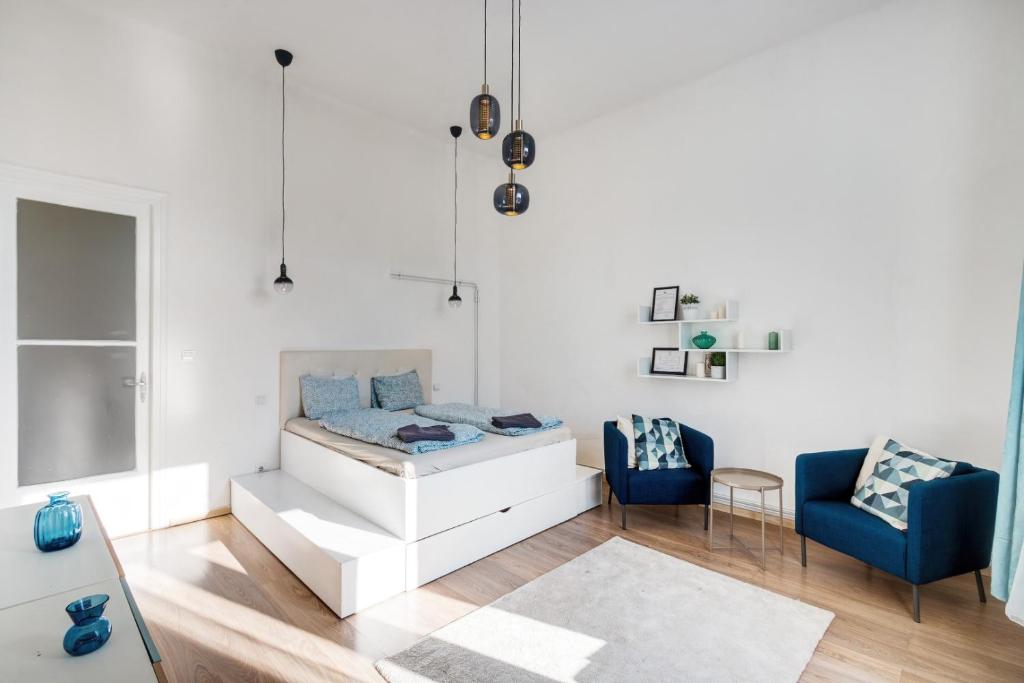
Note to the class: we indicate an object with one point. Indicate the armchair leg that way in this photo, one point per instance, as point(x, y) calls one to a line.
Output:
point(803, 551)
point(623, 515)
point(981, 585)
point(705, 518)
point(917, 603)
point(609, 495)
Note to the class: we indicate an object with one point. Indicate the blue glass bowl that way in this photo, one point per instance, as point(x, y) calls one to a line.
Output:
point(91, 630)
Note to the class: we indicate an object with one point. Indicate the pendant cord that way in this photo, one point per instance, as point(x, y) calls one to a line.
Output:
point(512, 77)
point(520, 110)
point(282, 165)
point(485, 42)
point(455, 250)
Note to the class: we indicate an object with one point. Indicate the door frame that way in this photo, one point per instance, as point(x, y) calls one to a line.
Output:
point(148, 205)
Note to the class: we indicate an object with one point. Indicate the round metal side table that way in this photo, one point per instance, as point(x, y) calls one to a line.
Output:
point(747, 480)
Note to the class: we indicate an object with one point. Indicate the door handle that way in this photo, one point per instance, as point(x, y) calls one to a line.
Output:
point(140, 383)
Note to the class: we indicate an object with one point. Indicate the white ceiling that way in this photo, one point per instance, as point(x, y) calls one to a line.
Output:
point(420, 61)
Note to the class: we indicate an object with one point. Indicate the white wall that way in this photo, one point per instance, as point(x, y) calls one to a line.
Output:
point(860, 185)
point(85, 96)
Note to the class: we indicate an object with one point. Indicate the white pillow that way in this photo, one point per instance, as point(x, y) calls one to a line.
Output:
point(625, 426)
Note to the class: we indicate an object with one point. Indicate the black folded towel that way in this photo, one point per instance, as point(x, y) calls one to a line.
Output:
point(415, 432)
point(521, 420)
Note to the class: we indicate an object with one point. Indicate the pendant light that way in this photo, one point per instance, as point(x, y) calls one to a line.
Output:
point(484, 111)
point(283, 284)
point(512, 198)
point(455, 300)
point(518, 149)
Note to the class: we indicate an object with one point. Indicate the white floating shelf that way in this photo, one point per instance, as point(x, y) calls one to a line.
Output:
point(643, 369)
point(732, 314)
point(718, 350)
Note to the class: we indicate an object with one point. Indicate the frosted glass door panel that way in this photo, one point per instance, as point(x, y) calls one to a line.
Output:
point(76, 417)
point(76, 273)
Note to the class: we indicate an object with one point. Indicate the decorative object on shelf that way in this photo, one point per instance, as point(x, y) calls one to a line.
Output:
point(663, 304)
point(740, 340)
point(58, 524)
point(91, 629)
point(668, 361)
point(518, 149)
point(707, 365)
point(283, 284)
point(704, 340)
point(484, 110)
point(773, 341)
point(690, 304)
point(717, 361)
point(455, 300)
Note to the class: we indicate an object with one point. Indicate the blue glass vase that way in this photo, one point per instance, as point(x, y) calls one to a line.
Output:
point(91, 629)
point(704, 340)
point(58, 523)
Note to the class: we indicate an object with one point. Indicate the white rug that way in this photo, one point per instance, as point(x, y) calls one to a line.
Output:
point(622, 612)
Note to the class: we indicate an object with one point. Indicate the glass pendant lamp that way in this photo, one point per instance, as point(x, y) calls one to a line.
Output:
point(455, 301)
point(518, 149)
point(283, 284)
point(484, 110)
point(511, 198)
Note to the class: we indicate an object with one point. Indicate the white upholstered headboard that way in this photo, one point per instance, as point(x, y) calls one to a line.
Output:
point(362, 364)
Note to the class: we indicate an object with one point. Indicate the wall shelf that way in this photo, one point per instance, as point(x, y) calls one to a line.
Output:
point(686, 331)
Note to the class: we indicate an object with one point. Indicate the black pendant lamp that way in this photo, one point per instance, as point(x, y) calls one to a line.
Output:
point(455, 300)
point(484, 111)
point(518, 149)
point(283, 284)
point(512, 198)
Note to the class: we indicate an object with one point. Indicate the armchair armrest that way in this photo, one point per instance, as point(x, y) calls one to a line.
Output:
point(615, 461)
point(828, 475)
point(950, 525)
point(700, 452)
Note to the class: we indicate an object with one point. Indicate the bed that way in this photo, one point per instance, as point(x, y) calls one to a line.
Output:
point(450, 507)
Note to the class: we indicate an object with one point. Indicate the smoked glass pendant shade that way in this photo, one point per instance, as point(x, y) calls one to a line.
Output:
point(511, 198)
point(484, 115)
point(518, 149)
point(455, 300)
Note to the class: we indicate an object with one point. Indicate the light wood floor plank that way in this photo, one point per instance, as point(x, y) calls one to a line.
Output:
point(223, 608)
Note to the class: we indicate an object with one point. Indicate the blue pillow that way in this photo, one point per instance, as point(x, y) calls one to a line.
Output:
point(659, 444)
point(397, 392)
point(322, 395)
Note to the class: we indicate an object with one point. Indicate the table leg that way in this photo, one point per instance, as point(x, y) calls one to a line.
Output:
point(762, 530)
point(711, 519)
point(732, 516)
point(782, 537)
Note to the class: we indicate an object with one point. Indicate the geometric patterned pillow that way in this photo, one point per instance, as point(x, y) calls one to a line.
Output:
point(659, 445)
point(886, 493)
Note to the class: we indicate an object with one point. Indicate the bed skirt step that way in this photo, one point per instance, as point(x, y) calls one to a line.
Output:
point(346, 560)
point(350, 563)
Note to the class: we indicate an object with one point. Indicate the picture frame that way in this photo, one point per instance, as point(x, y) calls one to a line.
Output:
point(669, 361)
point(663, 304)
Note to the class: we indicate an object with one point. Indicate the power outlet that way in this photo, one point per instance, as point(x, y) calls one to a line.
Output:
point(259, 469)
point(436, 386)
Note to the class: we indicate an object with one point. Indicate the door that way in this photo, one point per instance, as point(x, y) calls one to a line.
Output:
point(80, 358)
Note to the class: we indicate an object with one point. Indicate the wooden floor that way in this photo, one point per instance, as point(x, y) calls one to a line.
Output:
point(222, 608)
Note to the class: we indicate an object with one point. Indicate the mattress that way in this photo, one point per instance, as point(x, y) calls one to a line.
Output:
point(410, 466)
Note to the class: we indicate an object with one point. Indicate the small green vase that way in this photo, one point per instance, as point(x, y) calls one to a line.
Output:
point(703, 340)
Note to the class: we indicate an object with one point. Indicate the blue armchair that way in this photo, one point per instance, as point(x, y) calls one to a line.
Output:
point(682, 486)
point(950, 522)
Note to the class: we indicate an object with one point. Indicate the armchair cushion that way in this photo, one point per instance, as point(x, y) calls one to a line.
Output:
point(667, 487)
point(659, 444)
point(842, 527)
point(625, 425)
point(886, 492)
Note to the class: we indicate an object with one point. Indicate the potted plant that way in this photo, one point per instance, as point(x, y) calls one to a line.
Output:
point(690, 302)
point(718, 365)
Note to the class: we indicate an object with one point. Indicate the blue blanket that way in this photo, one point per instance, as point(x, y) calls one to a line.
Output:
point(480, 417)
point(374, 425)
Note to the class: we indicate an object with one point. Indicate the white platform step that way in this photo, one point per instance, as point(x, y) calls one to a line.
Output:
point(326, 545)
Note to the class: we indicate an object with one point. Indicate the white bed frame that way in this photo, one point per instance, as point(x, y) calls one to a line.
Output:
point(444, 520)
